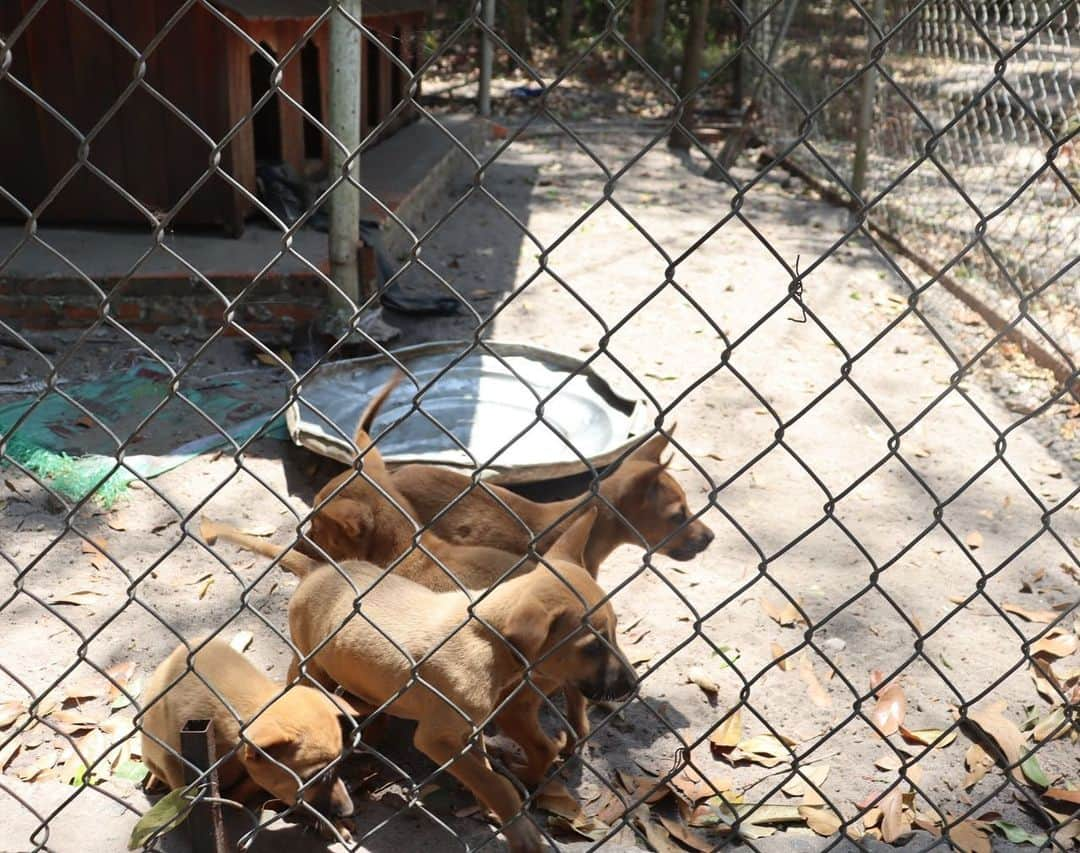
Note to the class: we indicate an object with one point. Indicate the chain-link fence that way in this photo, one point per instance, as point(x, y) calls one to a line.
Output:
point(851, 459)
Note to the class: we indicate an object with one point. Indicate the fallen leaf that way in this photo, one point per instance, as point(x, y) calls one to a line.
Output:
point(786, 614)
point(890, 709)
point(697, 675)
point(644, 788)
point(1003, 732)
point(132, 689)
point(611, 808)
point(757, 820)
point(1030, 615)
point(78, 719)
point(889, 763)
point(241, 641)
point(259, 530)
point(95, 549)
point(45, 757)
point(814, 690)
point(974, 540)
point(1034, 772)
point(1051, 726)
point(1018, 835)
point(162, 817)
point(8, 751)
point(1056, 643)
point(115, 522)
point(728, 733)
point(969, 837)
point(785, 663)
point(555, 798)
point(978, 763)
point(687, 836)
point(1066, 795)
point(205, 588)
point(766, 750)
point(10, 711)
point(79, 598)
point(929, 737)
point(824, 821)
point(693, 787)
point(797, 786)
point(132, 771)
point(894, 823)
point(655, 834)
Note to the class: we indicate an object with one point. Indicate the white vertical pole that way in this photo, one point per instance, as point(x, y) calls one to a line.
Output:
point(344, 122)
point(487, 56)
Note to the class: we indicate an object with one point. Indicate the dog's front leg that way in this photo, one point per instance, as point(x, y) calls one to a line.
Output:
point(520, 721)
point(577, 714)
point(493, 790)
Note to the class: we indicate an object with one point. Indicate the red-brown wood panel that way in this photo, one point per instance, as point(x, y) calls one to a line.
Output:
point(292, 120)
point(22, 164)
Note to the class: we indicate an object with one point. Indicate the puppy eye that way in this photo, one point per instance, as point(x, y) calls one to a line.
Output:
point(594, 647)
point(679, 517)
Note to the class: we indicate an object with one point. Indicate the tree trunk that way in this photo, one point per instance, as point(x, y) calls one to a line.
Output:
point(566, 25)
point(517, 28)
point(693, 52)
point(654, 48)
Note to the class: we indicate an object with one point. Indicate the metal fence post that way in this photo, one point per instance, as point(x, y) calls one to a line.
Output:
point(866, 103)
point(487, 52)
point(344, 122)
point(206, 826)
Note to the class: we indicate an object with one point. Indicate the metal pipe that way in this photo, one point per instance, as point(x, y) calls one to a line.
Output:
point(205, 824)
point(344, 123)
point(866, 105)
point(487, 58)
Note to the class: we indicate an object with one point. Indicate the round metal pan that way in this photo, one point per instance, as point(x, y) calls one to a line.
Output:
point(488, 406)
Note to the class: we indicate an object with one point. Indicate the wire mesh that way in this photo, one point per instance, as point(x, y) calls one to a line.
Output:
point(974, 125)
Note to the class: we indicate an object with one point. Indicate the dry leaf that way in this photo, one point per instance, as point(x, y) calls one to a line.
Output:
point(205, 588)
point(797, 786)
point(657, 836)
point(693, 787)
point(611, 808)
point(974, 540)
point(45, 758)
point(644, 788)
point(8, 752)
point(766, 750)
point(814, 690)
point(79, 597)
point(697, 675)
point(241, 641)
point(1057, 643)
point(928, 737)
point(555, 798)
point(894, 824)
point(889, 763)
point(95, 548)
point(778, 653)
point(970, 837)
point(1043, 616)
point(1051, 726)
point(687, 836)
point(823, 821)
point(10, 711)
point(729, 732)
point(758, 820)
point(890, 709)
point(115, 522)
point(1064, 794)
point(259, 530)
point(978, 763)
point(785, 614)
point(1003, 732)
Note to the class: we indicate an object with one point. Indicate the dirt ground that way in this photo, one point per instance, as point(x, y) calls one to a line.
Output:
point(899, 556)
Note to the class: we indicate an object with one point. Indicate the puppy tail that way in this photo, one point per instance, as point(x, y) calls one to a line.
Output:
point(362, 438)
point(289, 560)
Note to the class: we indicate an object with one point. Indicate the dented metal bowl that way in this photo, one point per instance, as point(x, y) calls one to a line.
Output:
point(487, 401)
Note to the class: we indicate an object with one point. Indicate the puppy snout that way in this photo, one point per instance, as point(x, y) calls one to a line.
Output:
point(620, 679)
point(705, 539)
point(341, 804)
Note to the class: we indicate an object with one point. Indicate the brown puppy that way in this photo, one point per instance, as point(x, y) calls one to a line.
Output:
point(357, 519)
point(641, 489)
point(300, 728)
point(476, 661)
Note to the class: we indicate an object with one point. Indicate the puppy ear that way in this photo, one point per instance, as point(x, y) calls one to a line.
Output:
point(529, 627)
point(262, 736)
point(571, 545)
point(353, 517)
point(344, 706)
point(650, 450)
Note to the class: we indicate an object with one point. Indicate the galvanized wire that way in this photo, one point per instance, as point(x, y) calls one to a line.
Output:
point(1000, 119)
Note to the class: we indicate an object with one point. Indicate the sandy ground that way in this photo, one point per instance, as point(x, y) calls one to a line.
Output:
point(785, 424)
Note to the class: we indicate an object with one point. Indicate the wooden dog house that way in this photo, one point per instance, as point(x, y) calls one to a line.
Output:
point(209, 73)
